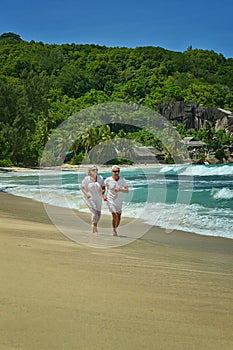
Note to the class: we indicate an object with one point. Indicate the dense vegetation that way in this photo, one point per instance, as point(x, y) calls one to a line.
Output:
point(41, 85)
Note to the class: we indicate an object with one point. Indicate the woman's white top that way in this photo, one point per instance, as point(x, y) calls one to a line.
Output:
point(93, 189)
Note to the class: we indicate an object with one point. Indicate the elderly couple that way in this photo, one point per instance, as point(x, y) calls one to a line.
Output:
point(93, 188)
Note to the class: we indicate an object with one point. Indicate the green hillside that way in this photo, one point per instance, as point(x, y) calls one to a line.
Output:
point(41, 85)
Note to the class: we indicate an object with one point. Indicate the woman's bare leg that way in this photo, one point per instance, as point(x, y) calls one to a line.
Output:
point(94, 227)
point(95, 219)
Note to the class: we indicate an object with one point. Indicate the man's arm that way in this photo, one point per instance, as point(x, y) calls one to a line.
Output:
point(124, 189)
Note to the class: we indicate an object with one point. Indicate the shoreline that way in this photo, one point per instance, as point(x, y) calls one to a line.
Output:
point(127, 218)
point(104, 169)
point(162, 235)
point(161, 291)
point(83, 168)
point(69, 167)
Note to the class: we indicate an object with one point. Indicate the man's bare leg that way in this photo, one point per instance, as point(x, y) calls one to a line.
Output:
point(118, 219)
point(114, 224)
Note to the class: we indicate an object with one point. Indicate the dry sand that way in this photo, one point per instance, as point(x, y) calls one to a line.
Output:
point(160, 292)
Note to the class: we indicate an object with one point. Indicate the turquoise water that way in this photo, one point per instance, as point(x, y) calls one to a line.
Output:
point(194, 198)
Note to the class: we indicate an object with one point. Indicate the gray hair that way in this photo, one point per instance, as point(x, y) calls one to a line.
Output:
point(92, 168)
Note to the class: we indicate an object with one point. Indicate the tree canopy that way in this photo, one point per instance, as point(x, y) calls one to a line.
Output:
point(41, 85)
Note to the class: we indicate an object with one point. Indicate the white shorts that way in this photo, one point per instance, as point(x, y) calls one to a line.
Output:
point(114, 207)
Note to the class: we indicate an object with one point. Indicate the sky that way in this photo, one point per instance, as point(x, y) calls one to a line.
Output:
point(171, 24)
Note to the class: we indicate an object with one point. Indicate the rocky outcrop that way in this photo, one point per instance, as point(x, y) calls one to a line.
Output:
point(193, 116)
point(224, 121)
point(5, 170)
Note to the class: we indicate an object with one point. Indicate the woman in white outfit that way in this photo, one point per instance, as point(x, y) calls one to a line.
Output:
point(115, 185)
point(93, 187)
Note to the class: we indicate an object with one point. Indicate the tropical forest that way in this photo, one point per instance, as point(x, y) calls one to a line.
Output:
point(42, 85)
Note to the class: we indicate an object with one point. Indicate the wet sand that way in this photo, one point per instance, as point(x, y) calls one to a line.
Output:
point(163, 291)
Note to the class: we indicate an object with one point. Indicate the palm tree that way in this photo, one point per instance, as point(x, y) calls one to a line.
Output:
point(95, 136)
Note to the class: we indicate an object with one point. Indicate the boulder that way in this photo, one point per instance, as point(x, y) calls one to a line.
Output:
point(193, 116)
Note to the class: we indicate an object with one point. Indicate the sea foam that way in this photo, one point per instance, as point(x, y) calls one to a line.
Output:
point(223, 193)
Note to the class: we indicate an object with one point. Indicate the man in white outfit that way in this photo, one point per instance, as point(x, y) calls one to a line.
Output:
point(115, 185)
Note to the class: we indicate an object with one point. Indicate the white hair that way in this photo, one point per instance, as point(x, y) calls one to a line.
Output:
point(115, 166)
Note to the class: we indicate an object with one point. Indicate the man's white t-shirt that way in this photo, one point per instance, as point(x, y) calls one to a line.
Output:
point(94, 190)
point(114, 198)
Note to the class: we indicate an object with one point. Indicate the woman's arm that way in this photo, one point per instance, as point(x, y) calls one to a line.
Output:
point(87, 195)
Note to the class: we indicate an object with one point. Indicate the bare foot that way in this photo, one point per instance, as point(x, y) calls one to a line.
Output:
point(94, 229)
point(114, 232)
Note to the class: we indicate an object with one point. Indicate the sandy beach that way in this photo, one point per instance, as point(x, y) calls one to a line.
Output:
point(160, 292)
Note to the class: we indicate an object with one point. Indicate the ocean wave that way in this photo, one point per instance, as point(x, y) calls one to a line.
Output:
point(173, 169)
point(223, 193)
point(191, 218)
point(52, 196)
point(198, 170)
